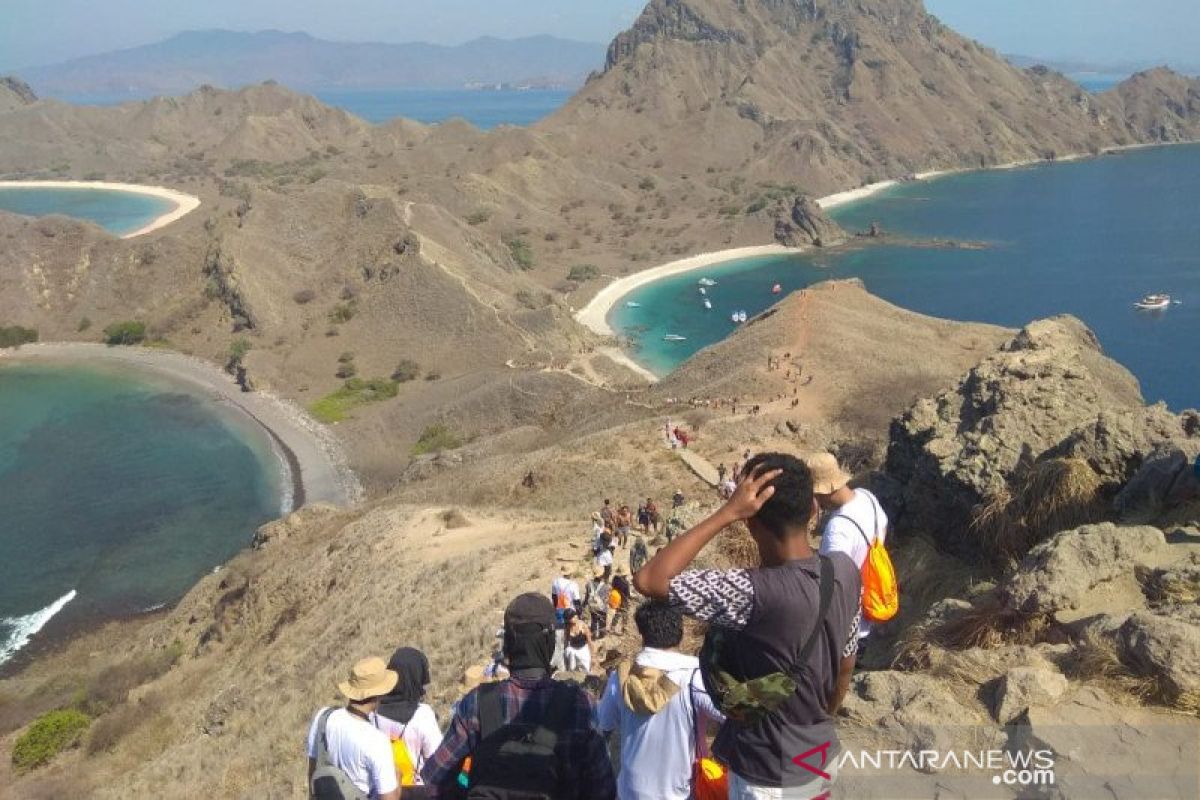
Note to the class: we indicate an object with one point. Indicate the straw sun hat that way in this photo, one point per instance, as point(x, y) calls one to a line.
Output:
point(368, 678)
point(827, 476)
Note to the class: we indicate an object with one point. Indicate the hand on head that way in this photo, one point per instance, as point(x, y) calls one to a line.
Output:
point(752, 493)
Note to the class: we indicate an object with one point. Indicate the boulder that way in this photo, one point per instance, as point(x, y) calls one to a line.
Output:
point(1022, 687)
point(1058, 573)
point(805, 223)
point(1166, 649)
point(955, 451)
point(1164, 480)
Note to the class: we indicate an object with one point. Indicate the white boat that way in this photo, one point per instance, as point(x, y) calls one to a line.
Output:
point(703, 290)
point(706, 282)
point(741, 316)
point(632, 304)
point(734, 317)
point(707, 303)
point(674, 337)
point(1153, 302)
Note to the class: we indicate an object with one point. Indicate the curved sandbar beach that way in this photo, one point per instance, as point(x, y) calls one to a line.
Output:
point(312, 456)
point(184, 204)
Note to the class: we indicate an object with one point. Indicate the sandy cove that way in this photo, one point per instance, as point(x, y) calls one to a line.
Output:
point(313, 456)
point(594, 315)
point(184, 203)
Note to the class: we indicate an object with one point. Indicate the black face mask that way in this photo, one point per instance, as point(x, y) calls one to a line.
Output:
point(413, 668)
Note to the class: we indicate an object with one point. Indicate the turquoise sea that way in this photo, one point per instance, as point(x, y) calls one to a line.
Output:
point(483, 109)
point(118, 491)
point(117, 212)
point(1087, 238)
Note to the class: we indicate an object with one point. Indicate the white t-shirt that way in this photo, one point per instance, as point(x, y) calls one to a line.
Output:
point(421, 735)
point(359, 750)
point(841, 536)
point(658, 750)
point(604, 558)
point(563, 586)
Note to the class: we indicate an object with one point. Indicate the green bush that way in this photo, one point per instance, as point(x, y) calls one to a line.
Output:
point(407, 370)
point(647, 184)
point(435, 438)
point(581, 273)
point(15, 336)
point(342, 312)
point(522, 253)
point(336, 406)
point(478, 217)
point(127, 332)
point(83, 325)
point(49, 735)
point(757, 205)
point(238, 349)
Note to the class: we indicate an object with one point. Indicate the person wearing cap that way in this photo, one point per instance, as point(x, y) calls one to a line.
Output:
point(620, 584)
point(354, 744)
point(530, 697)
point(564, 592)
point(855, 518)
point(595, 600)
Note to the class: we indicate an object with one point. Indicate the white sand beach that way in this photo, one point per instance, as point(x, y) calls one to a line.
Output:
point(304, 445)
point(184, 203)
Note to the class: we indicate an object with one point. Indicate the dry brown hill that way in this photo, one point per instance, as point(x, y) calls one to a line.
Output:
point(830, 94)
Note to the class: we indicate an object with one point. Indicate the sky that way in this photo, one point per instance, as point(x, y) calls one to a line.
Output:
point(34, 32)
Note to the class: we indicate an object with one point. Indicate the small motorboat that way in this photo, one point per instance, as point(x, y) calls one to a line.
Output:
point(632, 304)
point(734, 317)
point(707, 303)
point(706, 282)
point(776, 289)
point(674, 337)
point(1154, 302)
point(703, 290)
point(741, 316)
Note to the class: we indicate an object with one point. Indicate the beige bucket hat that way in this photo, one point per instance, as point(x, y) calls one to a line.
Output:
point(368, 678)
point(827, 475)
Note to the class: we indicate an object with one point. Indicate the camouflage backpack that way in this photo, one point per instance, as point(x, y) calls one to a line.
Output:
point(748, 702)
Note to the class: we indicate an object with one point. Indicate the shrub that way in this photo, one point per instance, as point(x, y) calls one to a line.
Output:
point(346, 357)
point(647, 184)
point(83, 325)
point(478, 217)
point(342, 312)
point(521, 252)
point(581, 273)
point(304, 296)
point(407, 370)
point(238, 349)
point(435, 438)
point(336, 406)
point(49, 735)
point(757, 205)
point(15, 336)
point(346, 370)
point(125, 333)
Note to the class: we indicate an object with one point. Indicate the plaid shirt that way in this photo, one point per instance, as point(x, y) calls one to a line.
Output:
point(585, 750)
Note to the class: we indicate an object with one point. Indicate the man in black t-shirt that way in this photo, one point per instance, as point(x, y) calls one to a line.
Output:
point(772, 612)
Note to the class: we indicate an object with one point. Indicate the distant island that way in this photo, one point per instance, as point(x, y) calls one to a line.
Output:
point(232, 59)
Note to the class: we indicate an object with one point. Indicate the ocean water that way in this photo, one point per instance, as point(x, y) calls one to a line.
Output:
point(117, 212)
point(117, 493)
point(1087, 238)
point(483, 109)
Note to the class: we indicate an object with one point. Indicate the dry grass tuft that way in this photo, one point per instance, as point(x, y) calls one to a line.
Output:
point(1175, 587)
point(1051, 496)
point(738, 548)
point(453, 519)
point(1095, 658)
point(988, 624)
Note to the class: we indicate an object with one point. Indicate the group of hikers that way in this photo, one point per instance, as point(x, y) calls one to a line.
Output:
point(781, 644)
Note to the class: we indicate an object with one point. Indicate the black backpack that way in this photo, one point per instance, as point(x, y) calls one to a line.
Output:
point(521, 760)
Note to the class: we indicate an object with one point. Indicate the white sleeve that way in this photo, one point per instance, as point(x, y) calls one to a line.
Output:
point(702, 702)
point(311, 747)
point(842, 537)
point(381, 766)
point(431, 734)
point(608, 716)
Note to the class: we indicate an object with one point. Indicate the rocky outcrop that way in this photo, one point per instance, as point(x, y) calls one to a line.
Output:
point(1167, 650)
point(1050, 393)
point(1023, 687)
point(15, 92)
point(1058, 574)
point(805, 223)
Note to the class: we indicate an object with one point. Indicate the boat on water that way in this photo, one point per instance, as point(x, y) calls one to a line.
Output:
point(706, 282)
point(632, 304)
point(703, 290)
point(776, 289)
point(674, 337)
point(707, 303)
point(738, 316)
point(1152, 302)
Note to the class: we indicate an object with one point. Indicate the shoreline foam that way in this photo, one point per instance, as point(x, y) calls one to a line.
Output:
point(314, 458)
point(594, 315)
point(184, 203)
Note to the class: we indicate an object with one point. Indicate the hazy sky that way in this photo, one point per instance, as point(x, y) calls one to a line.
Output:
point(46, 31)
